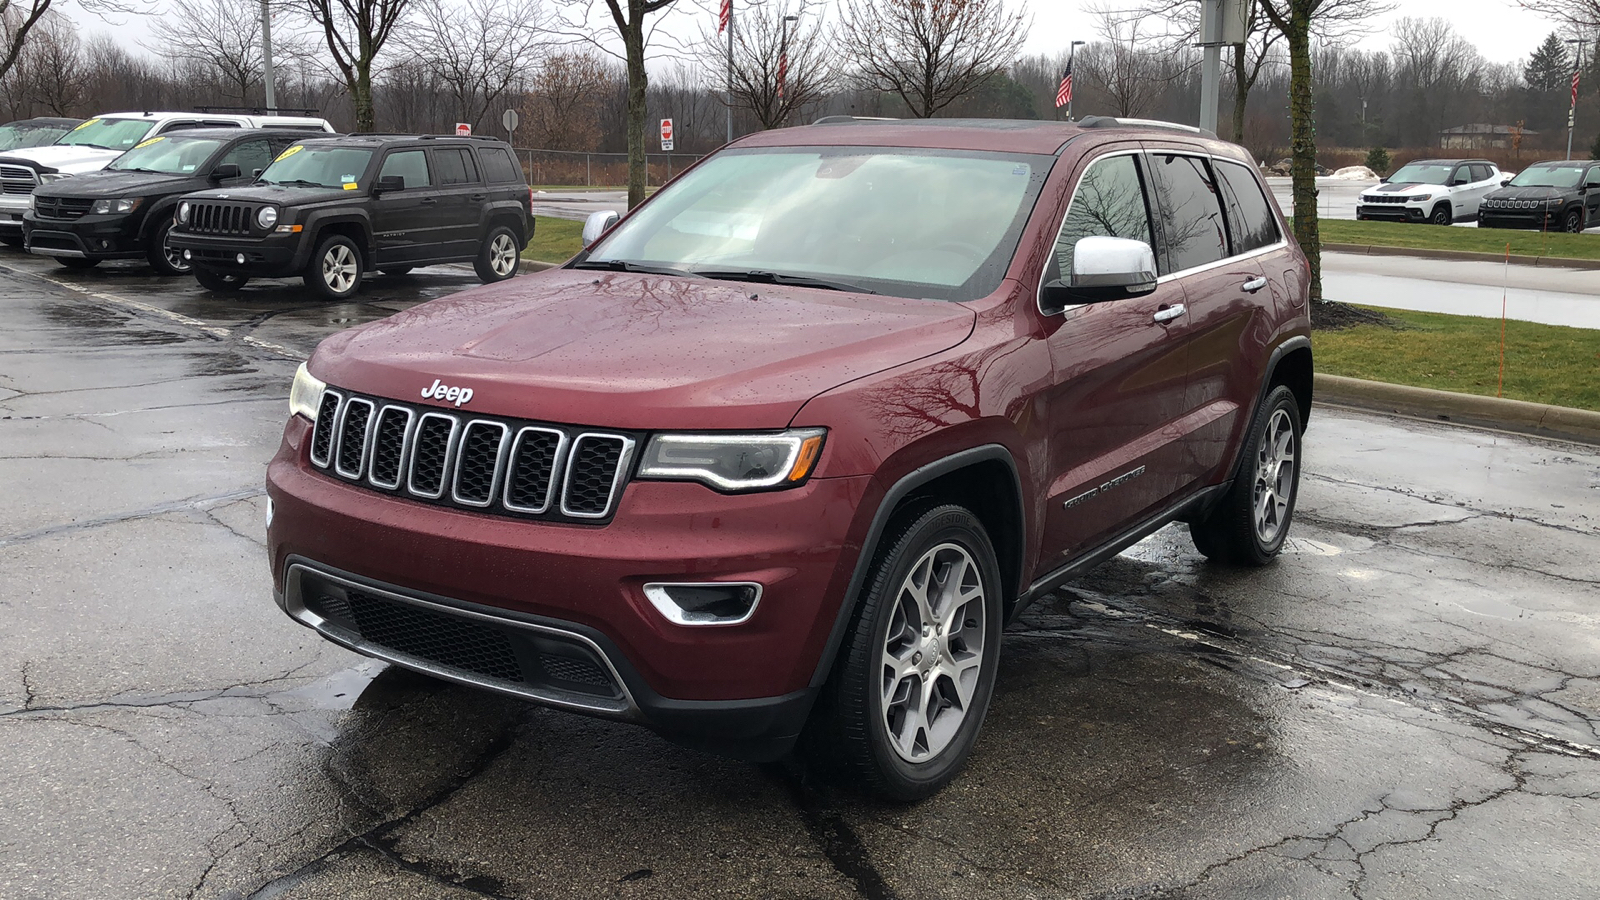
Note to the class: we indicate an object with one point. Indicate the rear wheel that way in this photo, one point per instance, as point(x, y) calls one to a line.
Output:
point(77, 262)
point(912, 683)
point(1249, 525)
point(163, 257)
point(335, 269)
point(499, 258)
point(1573, 222)
point(221, 282)
point(1441, 214)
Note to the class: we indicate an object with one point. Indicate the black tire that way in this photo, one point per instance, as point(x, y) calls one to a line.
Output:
point(500, 255)
point(1441, 215)
point(1573, 223)
point(77, 262)
point(12, 240)
point(221, 282)
point(163, 258)
point(850, 732)
point(334, 272)
point(397, 271)
point(1233, 532)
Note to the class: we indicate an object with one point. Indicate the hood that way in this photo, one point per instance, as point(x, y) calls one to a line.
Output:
point(1531, 193)
point(296, 195)
point(631, 351)
point(73, 160)
point(1405, 188)
point(116, 184)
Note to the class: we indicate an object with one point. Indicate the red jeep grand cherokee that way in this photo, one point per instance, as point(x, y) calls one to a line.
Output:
point(787, 447)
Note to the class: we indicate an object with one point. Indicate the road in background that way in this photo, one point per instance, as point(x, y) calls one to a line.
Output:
point(1532, 293)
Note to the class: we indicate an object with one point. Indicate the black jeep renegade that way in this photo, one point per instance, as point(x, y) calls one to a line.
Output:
point(330, 210)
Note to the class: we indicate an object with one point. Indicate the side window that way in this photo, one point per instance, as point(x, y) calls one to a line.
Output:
point(1461, 175)
point(1109, 202)
point(1480, 172)
point(499, 166)
point(248, 156)
point(217, 124)
point(455, 167)
point(1192, 229)
point(412, 165)
point(1593, 178)
point(1250, 217)
point(179, 125)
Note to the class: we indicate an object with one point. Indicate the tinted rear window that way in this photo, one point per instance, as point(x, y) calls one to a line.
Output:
point(1250, 216)
point(1192, 231)
point(499, 166)
point(455, 167)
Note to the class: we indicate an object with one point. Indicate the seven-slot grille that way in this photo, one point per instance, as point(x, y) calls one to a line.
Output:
point(17, 180)
point(220, 218)
point(477, 462)
point(61, 207)
point(1384, 198)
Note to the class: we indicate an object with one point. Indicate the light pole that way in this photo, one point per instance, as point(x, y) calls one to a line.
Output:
point(266, 56)
point(783, 56)
point(1572, 112)
point(1072, 52)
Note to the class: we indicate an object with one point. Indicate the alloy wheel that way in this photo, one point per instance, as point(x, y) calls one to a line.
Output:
point(933, 652)
point(173, 256)
point(1274, 482)
point(503, 255)
point(339, 268)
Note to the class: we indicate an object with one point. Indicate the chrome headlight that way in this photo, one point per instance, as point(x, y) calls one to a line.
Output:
point(183, 212)
point(47, 177)
point(1418, 198)
point(305, 395)
point(734, 462)
point(33, 203)
point(115, 207)
point(267, 217)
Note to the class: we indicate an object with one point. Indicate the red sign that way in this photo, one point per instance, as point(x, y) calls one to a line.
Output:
point(463, 129)
point(666, 129)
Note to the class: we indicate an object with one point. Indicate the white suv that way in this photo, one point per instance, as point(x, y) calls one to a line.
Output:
point(98, 141)
point(1440, 191)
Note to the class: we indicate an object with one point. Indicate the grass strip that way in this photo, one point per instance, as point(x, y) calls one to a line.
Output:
point(1550, 364)
point(1476, 240)
point(554, 240)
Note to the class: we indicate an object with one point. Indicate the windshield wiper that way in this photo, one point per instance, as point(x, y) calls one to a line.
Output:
point(622, 265)
point(146, 171)
point(780, 278)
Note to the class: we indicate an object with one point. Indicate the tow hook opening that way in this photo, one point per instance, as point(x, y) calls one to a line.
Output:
point(705, 603)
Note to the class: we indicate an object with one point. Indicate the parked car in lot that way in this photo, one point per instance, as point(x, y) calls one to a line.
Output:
point(35, 132)
point(1437, 191)
point(331, 210)
point(1559, 195)
point(776, 458)
point(125, 211)
point(94, 143)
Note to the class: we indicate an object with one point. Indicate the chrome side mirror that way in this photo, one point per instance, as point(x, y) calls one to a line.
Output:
point(1103, 269)
point(596, 225)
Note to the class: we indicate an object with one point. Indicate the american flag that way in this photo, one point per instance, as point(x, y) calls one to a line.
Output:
point(1064, 95)
point(1574, 90)
point(724, 15)
point(783, 71)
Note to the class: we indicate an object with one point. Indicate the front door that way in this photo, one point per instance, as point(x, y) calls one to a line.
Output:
point(403, 220)
point(1119, 372)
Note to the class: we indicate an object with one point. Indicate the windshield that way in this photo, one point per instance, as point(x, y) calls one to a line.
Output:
point(1422, 173)
point(915, 223)
point(23, 134)
point(318, 166)
point(1548, 176)
point(108, 134)
point(167, 155)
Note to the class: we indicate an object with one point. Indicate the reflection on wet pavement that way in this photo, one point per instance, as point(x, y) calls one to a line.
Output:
point(1404, 705)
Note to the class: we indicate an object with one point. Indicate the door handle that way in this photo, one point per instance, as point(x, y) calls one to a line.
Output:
point(1254, 284)
point(480, 196)
point(1168, 313)
point(428, 201)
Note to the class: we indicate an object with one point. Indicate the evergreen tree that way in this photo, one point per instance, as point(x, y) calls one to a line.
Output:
point(1549, 68)
point(1594, 148)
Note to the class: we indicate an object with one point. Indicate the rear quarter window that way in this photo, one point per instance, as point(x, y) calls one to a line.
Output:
point(499, 166)
point(1250, 215)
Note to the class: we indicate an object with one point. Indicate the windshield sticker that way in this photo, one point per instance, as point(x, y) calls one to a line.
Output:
point(1021, 169)
point(351, 186)
point(86, 125)
point(288, 153)
point(347, 179)
point(154, 140)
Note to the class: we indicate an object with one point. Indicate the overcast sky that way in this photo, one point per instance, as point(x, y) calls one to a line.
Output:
point(1501, 30)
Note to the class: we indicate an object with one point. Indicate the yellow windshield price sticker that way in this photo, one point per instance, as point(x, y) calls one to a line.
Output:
point(288, 153)
point(154, 140)
point(351, 186)
point(86, 125)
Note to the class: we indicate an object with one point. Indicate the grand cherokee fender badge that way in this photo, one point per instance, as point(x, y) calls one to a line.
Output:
point(457, 395)
point(1091, 493)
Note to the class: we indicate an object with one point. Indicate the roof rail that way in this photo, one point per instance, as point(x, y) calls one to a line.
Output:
point(1114, 122)
point(845, 120)
point(257, 110)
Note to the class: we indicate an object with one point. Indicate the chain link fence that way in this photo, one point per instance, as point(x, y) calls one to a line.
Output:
point(579, 168)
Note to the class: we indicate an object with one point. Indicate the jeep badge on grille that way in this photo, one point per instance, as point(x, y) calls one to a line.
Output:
point(457, 395)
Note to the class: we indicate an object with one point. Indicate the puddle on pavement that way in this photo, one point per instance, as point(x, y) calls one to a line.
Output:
point(1488, 606)
point(338, 691)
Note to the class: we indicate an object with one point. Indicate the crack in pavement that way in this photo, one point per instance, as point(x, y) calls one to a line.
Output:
point(193, 503)
point(1416, 495)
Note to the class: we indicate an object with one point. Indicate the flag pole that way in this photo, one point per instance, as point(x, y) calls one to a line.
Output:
point(728, 5)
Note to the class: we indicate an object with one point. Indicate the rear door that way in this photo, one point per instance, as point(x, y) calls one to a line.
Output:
point(461, 200)
point(1591, 196)
point(1118, 375)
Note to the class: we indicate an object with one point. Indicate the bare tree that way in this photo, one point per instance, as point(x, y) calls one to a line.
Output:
point(356, 32)
point(565, 97)
point(930, 53)
point(49, 71)
point(778, 68)
point(222, 37)
point(18, 19)
point(1133, 73)
point(1583, 15)
point(479, 49)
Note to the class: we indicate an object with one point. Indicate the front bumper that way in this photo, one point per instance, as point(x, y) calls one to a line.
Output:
point(88, 237)
point(1393, 212)
point(12, 209)
point(741, 688)
point(1528, 219)
point(270, 256)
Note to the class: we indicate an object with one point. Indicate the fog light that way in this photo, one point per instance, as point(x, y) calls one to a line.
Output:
point(707, 603)
point(239, 259)
point(187, 255)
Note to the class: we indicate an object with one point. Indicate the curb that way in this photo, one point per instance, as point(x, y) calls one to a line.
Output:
point(1549, 262)
point(1463, 409)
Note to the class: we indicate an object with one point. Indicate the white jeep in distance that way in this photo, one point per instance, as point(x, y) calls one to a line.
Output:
point(1438, 191)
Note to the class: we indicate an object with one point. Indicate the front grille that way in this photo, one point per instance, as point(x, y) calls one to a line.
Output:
point(17, 180)
point(500, 466)
point(1384, 198)
point(220, 218)
point(491, 650)
point(66, 208)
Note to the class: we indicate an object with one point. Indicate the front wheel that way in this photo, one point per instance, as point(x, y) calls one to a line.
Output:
point(221, 282)
point(912, 683)
point(1441, 215)
point(498, 259)
point(1250, 523)
point(1573, 223)
point(163, 257)
point(335, 269)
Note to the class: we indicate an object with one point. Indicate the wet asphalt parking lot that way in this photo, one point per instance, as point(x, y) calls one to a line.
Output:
point(1404, 705)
